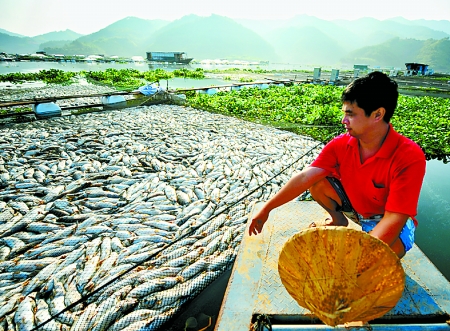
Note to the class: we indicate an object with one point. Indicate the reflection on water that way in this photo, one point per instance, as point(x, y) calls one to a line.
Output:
point(183, 83)
point(9, 67)
point(25, 67)
point(432, 234)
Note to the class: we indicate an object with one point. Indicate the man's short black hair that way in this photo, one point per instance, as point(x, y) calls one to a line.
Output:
point(372, 92)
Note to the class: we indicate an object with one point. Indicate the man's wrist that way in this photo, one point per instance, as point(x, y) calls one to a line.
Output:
point(266, 209)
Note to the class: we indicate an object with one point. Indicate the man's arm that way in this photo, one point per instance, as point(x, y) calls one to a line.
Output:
point(389, 228)
point(293, 188)
point(404, 192)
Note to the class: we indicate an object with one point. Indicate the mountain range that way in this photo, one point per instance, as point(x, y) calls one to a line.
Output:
point(304, 39)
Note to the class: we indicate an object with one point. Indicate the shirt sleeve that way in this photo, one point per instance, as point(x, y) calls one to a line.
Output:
point(328, 157)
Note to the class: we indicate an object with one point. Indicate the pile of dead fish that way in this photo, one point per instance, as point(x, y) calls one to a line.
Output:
point(133, 212)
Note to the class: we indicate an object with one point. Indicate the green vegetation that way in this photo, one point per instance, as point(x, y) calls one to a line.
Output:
point(315, 111)
point(444, 78)
point(52, 76)
point(425, 120)
point(198, 73)
point(81, 111)
point(15, 110)
point(246, 79)
point(422, 88)
point(132, 78)
point(121, 79)
point(22, 109)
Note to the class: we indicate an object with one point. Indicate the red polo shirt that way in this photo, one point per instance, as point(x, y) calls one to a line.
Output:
point(390, 180)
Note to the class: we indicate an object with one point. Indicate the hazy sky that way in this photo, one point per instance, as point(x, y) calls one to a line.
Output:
point(35, 17)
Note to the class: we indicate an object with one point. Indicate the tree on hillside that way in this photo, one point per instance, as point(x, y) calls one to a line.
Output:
point(435, 53)
point(74, 48)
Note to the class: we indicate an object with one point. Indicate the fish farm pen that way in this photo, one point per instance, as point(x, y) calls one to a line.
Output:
point(132, 218)
point(115, 220)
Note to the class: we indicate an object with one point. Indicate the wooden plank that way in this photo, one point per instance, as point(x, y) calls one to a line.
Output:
point(242, 295)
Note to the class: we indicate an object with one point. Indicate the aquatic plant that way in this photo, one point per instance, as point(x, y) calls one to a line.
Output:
point(315, 110)
point(246, 80)
point(121, 79)
point(185, 73)
point(52, 76)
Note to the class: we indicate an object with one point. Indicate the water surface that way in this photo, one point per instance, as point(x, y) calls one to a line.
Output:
point(433, 232)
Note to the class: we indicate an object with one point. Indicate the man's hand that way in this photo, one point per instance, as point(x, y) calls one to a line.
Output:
point(258, 222)
point(388, 230)
point(293, 188)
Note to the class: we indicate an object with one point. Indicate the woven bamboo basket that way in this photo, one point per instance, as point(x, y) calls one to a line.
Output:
point(340, 274)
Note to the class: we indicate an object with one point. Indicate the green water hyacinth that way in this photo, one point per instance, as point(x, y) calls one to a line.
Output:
point(315, 110)
point(52, 76)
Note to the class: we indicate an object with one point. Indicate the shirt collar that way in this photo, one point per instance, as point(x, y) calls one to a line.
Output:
point(389, 144)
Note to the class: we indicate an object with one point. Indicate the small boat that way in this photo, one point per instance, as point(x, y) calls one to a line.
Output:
point(169, 57)
point(255, 293)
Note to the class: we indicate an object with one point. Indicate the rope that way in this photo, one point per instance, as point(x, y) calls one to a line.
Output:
point(193, 229)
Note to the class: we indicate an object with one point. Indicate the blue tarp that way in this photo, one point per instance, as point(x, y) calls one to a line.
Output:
point(150, 89)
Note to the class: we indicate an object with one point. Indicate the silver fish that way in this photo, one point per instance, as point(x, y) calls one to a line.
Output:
point(24, 315)
point(42, 315)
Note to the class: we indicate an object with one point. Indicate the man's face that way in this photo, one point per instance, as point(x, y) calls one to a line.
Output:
point(355, 120)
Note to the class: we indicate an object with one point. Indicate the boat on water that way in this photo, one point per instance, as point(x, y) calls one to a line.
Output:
point(255, 292)
point(170, 57)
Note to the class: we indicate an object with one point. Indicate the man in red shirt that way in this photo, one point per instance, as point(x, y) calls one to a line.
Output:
point(371, 174)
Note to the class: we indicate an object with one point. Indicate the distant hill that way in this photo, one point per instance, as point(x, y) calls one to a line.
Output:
point(271, 29)
point(396, 52)
point(122, 38)
point(57, 39)
point(10, 33)
point(341, 35)
point(136, 28)
point(309, 40)
point(304, 39)
point(58, 35)
point(365, 27)
point(54, 44)
point(73, 48)
point(351, 34)
point(17, 45)
point(441, 25)
point(26, 45)
point(306, 44)
point(211, 38)
point(436, 54)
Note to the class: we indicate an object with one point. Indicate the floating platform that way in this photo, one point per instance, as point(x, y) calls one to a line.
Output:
point(255, 287)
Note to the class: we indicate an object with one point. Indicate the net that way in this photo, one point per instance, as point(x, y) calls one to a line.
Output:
point(340, 274)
